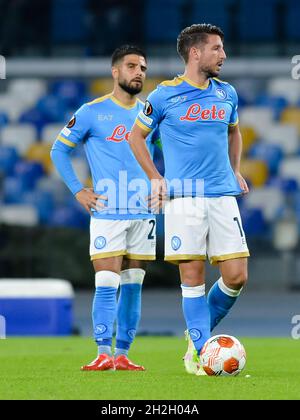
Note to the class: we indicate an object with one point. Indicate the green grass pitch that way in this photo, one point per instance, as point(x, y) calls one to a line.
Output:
point(48, 368)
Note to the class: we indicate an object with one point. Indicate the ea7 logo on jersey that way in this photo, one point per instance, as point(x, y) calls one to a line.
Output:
point(195, 113)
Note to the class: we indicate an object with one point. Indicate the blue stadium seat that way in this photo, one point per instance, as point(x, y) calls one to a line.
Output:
point(277, 103)
point(257, 20)
point(28, 172)
point(286, 185)
point(53, 108)
point(13, 190)
point(36, 117)
point(67, 26)
point(8, 159)
point(292, 19)
point(42, 201)
point(71, 91)
point(3, 119)
point(68, 216)
point(216, 12)
point(270, 153)
point(254, 223)
point(163, 20)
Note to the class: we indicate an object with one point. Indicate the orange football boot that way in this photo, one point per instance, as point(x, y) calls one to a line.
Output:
point(123, 363)
point(103, 362)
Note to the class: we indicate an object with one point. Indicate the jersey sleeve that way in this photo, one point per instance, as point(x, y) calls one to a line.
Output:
point(77, 128)
point(152, 114)
point(234, 118)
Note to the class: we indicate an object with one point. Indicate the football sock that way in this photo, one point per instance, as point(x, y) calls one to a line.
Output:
point(105, 309)
point(196, 314)
point(129, 308)
point(220, 299)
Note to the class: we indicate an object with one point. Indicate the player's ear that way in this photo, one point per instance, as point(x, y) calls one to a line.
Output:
point(115, 72)
point(195, 53)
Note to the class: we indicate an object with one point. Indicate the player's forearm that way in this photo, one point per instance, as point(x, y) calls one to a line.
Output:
point(62, 162)
point(235, 149)
point(138, 146)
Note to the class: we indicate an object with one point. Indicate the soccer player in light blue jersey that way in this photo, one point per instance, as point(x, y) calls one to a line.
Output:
point(122, 230)
point(198, 123)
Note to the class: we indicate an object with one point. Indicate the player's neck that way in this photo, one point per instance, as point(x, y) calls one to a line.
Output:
point(124, 97)
point(199, 79)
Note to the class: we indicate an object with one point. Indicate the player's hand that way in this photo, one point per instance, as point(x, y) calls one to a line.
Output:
point(90, 200)
point(242, 183)
point(158, 195)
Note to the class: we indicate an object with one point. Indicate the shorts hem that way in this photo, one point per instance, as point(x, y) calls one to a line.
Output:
point(107, 255)
point(176, 259)
point(216, 259)
point(141, 257)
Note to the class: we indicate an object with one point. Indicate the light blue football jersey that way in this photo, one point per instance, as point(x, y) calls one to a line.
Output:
point(193, 126)
point(103, 126)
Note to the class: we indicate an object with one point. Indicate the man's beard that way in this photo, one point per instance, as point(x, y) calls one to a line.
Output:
point(131, 89)
point(209, 72)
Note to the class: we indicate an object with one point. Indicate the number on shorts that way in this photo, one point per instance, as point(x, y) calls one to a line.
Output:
point(239, 225)
point(152, 223)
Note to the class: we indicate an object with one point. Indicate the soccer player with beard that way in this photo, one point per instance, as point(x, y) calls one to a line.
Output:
point(198, 122)
point(122, 230)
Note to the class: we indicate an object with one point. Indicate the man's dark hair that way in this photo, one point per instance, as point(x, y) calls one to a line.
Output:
point(194, 35)
point(120, 53)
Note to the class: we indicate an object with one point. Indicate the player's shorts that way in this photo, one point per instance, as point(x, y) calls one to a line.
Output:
point(196, 227)
point(135, 239)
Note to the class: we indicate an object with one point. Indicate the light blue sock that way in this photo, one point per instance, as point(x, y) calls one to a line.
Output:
point(105, 309)
point(129, 308)
point(220, 299)
point(196, 313)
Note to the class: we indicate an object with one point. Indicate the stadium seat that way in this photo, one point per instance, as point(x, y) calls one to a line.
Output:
point(249, 137)
point(43, 202)
point(53, 108)
point(13, 190)
point(271, 154)
point(277, 103)
point(100, 87)
point(254, 223)
point(51, 131)
point(257, 117)
point(71, 91)
point(216, 12)
point(283, 135)
point(290, 168)
point(8, 159)
point(34, 117)
point(167, 16)
point(285, 87)
point(12, 106)
point(20, 136)
point(3, 119)
point(53, 185)
point(291, 115)
point(27, 90)
point(256, 171)
point(39, 152)
point(19, 215)
point(29, 172)
point(69, 216)
point(291, 20)
point(269, 199)
point(262, 16)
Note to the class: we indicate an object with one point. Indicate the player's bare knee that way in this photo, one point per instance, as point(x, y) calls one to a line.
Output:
point(236, 280)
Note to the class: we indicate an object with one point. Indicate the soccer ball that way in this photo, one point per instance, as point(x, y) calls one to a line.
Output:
point(223, 355)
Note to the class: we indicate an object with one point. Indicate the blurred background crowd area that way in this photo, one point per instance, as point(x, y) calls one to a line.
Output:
point(93, 27)
point(44, 231)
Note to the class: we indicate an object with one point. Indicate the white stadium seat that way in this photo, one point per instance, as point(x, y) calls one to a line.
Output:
point(19, 215)
point(290, 168)
point(20, 136)
point(283, 135)
point(50, 132)
point(257, 117)
point(285, 87)
point(269, 199)
point(27, 90)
